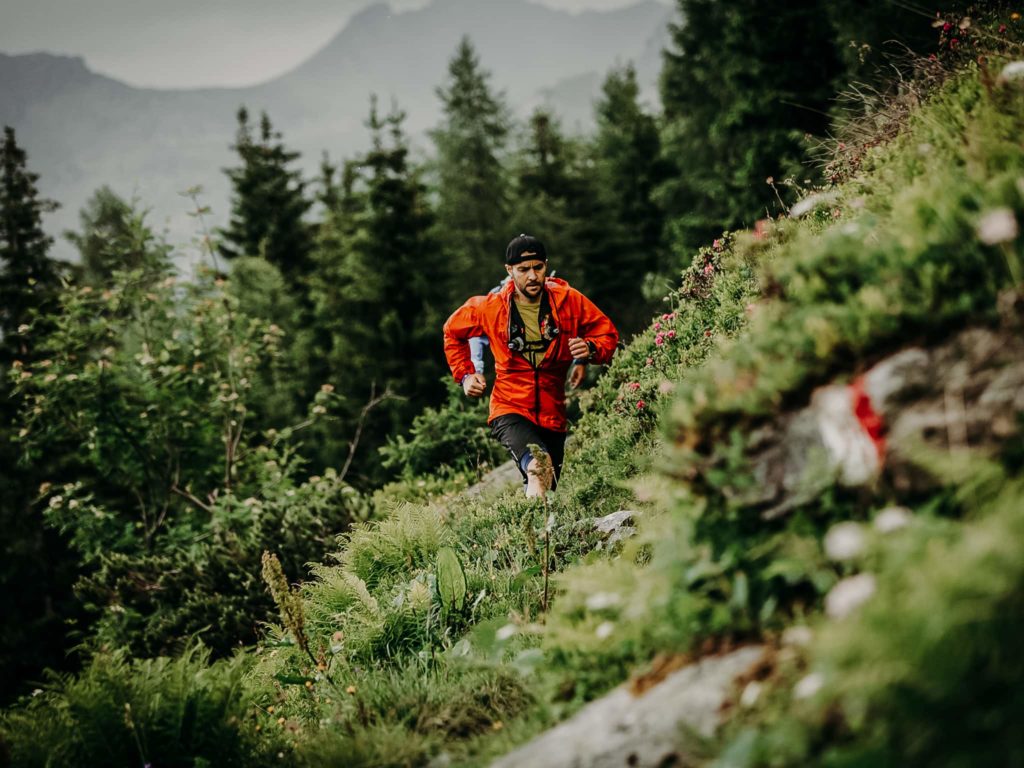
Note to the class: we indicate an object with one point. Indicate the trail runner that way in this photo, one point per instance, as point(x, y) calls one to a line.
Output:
point(538, 326)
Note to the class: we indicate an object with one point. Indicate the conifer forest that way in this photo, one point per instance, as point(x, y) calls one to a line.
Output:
point(250, 519)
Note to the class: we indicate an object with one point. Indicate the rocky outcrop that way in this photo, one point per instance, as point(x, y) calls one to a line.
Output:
point(659, 727)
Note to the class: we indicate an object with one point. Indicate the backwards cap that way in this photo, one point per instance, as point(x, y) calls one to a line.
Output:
point(523, 248)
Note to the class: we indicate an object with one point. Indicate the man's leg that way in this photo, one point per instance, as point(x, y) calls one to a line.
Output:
point(517, 433)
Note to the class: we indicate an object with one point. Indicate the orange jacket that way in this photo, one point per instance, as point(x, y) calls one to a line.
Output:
point(536, 393)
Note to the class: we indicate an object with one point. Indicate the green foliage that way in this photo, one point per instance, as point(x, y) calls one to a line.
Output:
point(472, 211)
point(119, 711)
point(114, 237)
point(175, 491)
point(269, 203)
point(454, 435)
point(741, 86)
point(451, 580)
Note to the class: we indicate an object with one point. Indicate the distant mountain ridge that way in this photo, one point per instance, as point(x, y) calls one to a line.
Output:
point(83, 129)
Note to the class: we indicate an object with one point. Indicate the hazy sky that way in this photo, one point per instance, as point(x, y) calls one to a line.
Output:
point(190, 43)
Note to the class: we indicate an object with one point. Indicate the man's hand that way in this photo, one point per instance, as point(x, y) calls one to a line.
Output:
point(579, 349)
point(474, 385)
point(576, 375)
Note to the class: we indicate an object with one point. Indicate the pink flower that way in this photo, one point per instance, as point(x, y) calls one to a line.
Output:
point(650, 362)
point(946, 27)
point(657, 326)
point(659, 340)
point(709, 268)
point(633, 386)
point(707, 332)
point(671, 334)
point(640, 404)
point(716, 244)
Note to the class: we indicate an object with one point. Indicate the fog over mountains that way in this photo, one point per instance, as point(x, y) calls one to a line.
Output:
point(83, 130)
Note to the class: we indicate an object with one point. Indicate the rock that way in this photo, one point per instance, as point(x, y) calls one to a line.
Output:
point(964, 393)
point(647, 731)
point(611, 523)
point(501, 476)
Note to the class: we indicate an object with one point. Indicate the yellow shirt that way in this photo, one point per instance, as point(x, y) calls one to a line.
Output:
point(535, 346)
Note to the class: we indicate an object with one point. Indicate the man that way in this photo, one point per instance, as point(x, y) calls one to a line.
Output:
point(477, 345)
point(538, 326)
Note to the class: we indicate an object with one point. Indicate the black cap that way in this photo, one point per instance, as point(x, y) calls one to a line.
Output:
point(523, 248)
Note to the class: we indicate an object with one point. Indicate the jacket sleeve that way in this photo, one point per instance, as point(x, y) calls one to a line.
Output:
point(595, 326)
point(463, 325)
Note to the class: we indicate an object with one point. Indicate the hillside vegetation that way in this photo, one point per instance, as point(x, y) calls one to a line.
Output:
point(451, 628)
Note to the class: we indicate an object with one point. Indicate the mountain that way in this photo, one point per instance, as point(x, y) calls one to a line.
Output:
point(83, 130)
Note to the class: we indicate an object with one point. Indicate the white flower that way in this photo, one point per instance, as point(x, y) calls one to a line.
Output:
point(1012, 71)
point(505, 632)
point(800, 636)
point(846, 596)
point(600, 601)
point(808, 686)
point(997, 226)
point(892, 519)
point(844, 541)
point(750, 694)
point(604, 630)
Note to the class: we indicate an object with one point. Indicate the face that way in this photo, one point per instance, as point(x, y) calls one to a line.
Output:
point(528, 277)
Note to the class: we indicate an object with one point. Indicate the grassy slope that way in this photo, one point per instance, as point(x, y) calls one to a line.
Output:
point(894, 256)
point(398, 678)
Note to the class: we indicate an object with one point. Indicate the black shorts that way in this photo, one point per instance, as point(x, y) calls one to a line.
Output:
point(516, 432)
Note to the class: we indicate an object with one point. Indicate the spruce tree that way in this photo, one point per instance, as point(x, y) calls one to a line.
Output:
point(36, 572)
point(29, 278)
point(384, 296)
point(114, 236)
point(743, 85)
point(269, 203)
point(627, 151)
point(473, 201)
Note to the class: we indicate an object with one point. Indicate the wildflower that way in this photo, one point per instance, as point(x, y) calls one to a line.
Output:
point(650, 362)
point(848, 595)
point(659, 339)
point(657, 326)
point(640, 405)
point(600, 601)
point(707, 333)
point(709, 268)
point(670, 335)
point(760, 229)
point(808, 686)
point(844, 541)
point(800, 636)
point(633, 386)
point(946, 27)
point(998, 225)
point(1002, 28)
point(750, 694)
point(604, 630)
point(892, 519)
point(716, 244)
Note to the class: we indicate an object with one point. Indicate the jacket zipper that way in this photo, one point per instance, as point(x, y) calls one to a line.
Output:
point(536, 394)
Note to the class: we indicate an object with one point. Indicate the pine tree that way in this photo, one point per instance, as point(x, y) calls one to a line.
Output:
point(29, 279)
point(555, 198)
point(745, 83)
point(627, 151)
point(382, 297)
point(114, 236)
point(269, 203)
point(35, 573)
point(472, 214)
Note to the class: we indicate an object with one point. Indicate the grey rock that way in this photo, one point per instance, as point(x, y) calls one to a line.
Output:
point(658, 728)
